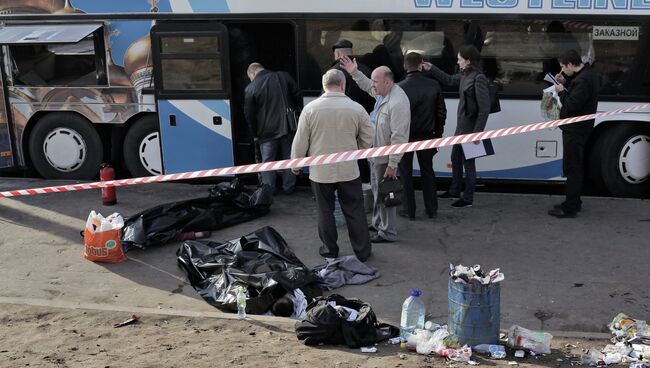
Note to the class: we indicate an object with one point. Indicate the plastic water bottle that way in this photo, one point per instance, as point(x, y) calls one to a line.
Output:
point(241, 303)
point(412, 314)
point(339, 219)
point(495, 351)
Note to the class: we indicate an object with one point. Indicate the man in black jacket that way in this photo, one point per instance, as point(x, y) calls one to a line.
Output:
point(428, 114)
point(266, 100)
point(579, 96)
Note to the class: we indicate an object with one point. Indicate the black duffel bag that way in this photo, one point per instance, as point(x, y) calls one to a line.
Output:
point(324, 324)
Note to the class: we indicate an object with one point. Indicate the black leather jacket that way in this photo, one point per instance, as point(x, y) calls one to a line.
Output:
point(580, 98)
point(428, 110)
point(264, 105)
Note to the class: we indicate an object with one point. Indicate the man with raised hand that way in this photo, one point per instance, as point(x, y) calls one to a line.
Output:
point(391, 117)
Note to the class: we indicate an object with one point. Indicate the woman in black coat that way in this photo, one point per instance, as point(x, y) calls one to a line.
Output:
point(473, 111)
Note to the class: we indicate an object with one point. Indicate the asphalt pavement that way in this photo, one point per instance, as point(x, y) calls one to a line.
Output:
point(571, 275)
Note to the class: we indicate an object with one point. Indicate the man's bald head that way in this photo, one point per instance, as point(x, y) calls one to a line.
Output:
point(382, 80)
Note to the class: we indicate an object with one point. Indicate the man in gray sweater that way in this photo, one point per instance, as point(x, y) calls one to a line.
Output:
point(391, 117)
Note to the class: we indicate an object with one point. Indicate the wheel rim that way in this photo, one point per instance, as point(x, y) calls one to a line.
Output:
point(634, 160)
point(65, 149)
point(149, 153)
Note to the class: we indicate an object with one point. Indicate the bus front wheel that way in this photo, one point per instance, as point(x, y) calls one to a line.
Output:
point(142, 147)
point(65, 146)
point(625, 160)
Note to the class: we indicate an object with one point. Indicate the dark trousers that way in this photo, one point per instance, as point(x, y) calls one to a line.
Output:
point(573, 164)
point(458, 161)
point(351, 200)
point(425, 159)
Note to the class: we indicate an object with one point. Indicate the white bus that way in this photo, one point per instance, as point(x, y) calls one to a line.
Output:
point(158, 84)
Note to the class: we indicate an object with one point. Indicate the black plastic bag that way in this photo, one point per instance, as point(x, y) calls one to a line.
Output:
point(323, 324)
point(261, 262)
point(228, 204)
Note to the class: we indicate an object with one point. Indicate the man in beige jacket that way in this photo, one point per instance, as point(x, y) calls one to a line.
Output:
point(334, 123)
point(392, 120)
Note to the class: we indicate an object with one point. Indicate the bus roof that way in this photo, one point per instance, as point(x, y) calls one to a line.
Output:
point(550, 7)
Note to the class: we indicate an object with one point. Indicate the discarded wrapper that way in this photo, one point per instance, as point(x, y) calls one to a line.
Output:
point(512, 362)
point(394, 340)
point(133, 319)
point(370, 349)
point(520, 354)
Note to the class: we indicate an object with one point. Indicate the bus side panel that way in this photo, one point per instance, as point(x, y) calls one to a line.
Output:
point(6, 156)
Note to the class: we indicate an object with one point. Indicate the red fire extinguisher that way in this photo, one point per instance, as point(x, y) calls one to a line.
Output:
point(106, 172)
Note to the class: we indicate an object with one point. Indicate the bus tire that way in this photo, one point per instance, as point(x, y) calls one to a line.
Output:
point(65, 146)
point(142, 147)
point(626, 160)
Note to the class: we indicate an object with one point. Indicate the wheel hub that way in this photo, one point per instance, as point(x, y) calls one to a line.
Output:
point(149, 153)
point(64, 149)
point(634, 160)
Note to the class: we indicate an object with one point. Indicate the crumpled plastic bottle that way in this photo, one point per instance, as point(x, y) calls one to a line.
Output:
point(538, 342)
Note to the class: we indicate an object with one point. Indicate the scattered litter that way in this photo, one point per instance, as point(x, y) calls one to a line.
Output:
point(133, 319)
point(371, 349)
point(512, 362)
point(402, 356)
point(474, 275)
point(559, 360)
point(395, 340)
point(472, 362)
point(535, 341)
point(570, 346)
point(625, 328)
point(638, 365)
point(520, 354)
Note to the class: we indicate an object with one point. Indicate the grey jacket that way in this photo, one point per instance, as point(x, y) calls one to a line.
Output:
point(393, 119)
point(474, 103)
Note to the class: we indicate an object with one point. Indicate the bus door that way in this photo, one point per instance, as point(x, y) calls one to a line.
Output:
point(192, 95)
point(6, 155)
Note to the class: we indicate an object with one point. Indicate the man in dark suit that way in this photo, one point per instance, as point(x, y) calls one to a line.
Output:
point(579, 95)
point(428, 115)
point(266, 100)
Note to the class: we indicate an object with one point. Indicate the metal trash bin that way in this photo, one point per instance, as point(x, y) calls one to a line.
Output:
point(474, 312)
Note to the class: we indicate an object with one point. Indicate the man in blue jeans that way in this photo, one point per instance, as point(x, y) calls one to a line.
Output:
point(266, 101)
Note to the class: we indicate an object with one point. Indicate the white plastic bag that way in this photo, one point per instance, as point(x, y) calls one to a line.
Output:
point(551, 104)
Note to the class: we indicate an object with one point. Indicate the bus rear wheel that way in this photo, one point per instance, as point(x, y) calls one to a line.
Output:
point(625, 160)
point(65, 146)
point(142, 148)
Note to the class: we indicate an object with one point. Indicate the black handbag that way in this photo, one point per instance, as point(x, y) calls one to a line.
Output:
point(390, 192)
point(291, 114)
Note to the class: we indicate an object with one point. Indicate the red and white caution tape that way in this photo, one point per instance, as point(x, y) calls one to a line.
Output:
point(329, 158)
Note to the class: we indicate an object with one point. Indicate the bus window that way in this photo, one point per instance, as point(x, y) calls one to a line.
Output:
point(376, 42)
point(517, 54)
point(58, 64)
point(191, 63)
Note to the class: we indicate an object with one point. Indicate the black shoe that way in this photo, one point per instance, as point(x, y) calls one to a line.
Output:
point(432, 215)
point(447, 194)
point(461, 203)
point(379, 239)
point(405, 214)
point(371, 228)
point(561, 213)
point(559, 207)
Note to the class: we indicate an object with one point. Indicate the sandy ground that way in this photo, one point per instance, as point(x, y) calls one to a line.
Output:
point(53, 337)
